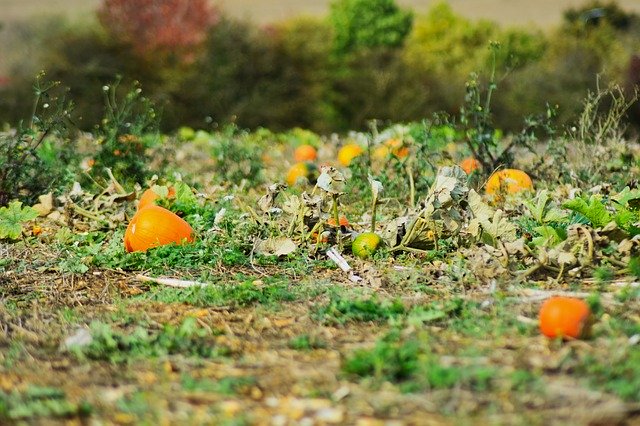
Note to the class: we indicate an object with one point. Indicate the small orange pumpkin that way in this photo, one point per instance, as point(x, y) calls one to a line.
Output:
point(469, 165)
point(155, 226)
point(565, 317)
point(343, 221)
point(305, 153)
point(149, 197)
point(509, 180)
point(347, 153)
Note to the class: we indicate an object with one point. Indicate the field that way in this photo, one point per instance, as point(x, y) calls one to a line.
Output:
point(435, 270)
point(271, 315)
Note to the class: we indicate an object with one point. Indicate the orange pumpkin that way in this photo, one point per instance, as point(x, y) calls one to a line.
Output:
point(469, 165)
point(397, 147)
point(565, 317)
point(305, 153)
point(299, 171)
point(149, 197)
point(343, 221)
point(509, 180)
point(347, 153)
point(155, 226)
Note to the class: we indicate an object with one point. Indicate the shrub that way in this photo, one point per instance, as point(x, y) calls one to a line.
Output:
point(368, 24)
point(37, 156)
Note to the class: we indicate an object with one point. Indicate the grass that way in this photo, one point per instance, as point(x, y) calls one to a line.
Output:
point(38, 401)
point(188, 339)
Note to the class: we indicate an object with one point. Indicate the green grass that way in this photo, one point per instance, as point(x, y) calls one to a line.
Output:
point(223, 386)
point(244, 293)
point(188, 339)
point(344, 308)
point(306, 342)
point(36, 401)
point(414, 366)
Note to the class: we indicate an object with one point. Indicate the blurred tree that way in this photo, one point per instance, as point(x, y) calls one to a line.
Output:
point(598, 12)
point(368, 24)
point(172, 27)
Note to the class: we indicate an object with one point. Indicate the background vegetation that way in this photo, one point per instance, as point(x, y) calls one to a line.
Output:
point(326, 74)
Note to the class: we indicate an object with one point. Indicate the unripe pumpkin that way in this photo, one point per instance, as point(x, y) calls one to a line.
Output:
point(150, 196)
point(155, 226)
point(511, 180)
point(565, 317)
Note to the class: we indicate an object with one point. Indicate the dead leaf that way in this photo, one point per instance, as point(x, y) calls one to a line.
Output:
point(276, 247)
point(45, 204)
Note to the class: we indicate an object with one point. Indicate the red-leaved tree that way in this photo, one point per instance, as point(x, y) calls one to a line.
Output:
point(159, 26)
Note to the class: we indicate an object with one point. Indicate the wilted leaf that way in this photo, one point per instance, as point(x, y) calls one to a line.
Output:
point(331, 181)
point(376, 187)
point(45, 204)
point(490, 225)
point(394, 231)
point(266, 201)
point(276, 247)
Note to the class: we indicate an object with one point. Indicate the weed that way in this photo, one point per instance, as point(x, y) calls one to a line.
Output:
point(40, 402)
point(341, 310)
point(228, 294)
point(129, 127)
point(413, 365)
point(306, 342)
point(117, 347)
point(619, 373)
point(223, 386)
point(29, 163)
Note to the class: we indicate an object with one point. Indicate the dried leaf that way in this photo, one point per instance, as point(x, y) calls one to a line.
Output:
point(331, 180)
point(266, 201)
point(376, 187)
point(45, 204)
point(276, 247)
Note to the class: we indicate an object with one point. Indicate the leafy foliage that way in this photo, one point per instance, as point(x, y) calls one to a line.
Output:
point(37, 401)
point(361, 24)
point(188, 338)
point(129, 127)
point(12, 218)
point(37, 157)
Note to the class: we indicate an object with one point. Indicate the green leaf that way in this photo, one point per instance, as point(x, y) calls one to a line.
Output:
point(184, 194)
point(548, 236)
point(12, 218)
point(593, 209)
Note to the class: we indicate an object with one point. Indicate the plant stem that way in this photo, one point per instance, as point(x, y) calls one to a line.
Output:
point(412, 187)
point(337, 219)
point(374, 207)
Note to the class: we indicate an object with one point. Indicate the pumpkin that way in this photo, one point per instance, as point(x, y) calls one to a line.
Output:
point(347, 153)
point(305, 153)
point(469, 165)
point(565, 317)
point(299, 171)
point(155, 226)
point(509, 180)
point(149, 197)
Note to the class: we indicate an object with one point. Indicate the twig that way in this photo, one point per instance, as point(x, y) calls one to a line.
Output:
point(171, 282)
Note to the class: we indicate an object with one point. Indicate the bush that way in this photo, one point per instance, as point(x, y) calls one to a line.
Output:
point(37, 157)
point(361, 24)
point(250, 77)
